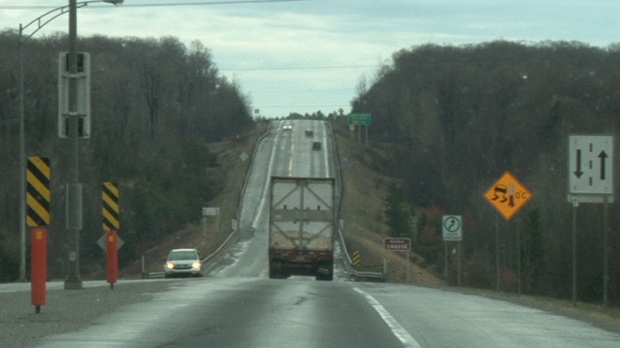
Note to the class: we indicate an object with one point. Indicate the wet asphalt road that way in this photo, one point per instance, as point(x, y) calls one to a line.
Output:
point(67, 310)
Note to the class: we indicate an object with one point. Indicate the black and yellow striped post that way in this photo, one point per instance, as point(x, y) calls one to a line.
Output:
point(38, 196)
point(111, 207)
point(357, 258)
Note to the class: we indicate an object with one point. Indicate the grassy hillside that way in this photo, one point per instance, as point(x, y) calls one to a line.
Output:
point(362, 210)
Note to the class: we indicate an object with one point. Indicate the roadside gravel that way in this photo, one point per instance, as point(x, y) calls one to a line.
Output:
point(20, 326)
point(604, 318)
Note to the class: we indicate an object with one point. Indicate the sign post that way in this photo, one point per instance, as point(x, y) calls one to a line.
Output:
point(360, 120)
point(38, 198)
point(211, 211)
point(110, 241)
point(357, 258)
point(38, 268)
point(112, 257)
point(399, 244)
point(507, 196)
point(452, 232)
point(590, 180)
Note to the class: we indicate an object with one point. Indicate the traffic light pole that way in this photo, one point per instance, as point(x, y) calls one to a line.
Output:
point(73, 279)
point(37, 24)
point(74, 209)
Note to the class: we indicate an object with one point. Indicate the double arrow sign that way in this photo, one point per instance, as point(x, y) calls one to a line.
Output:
point(589, 163)
point(603, 156)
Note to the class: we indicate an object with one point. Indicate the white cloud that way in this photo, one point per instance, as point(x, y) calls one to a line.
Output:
point(270, 48)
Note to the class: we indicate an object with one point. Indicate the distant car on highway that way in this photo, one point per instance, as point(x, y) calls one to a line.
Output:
point(183, 262)
point(287, 127)
point(309, 133)
point(316, 146)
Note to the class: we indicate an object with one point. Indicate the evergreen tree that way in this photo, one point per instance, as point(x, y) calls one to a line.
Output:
point(396, 212)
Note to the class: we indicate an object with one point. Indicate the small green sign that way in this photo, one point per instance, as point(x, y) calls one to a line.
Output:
point(360, 119)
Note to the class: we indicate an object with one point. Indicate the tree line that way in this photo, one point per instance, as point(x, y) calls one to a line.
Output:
point(456, 118)
point(155, 103)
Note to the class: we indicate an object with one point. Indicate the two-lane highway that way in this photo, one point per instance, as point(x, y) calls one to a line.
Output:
point(238, 306)
point(282, 152)
point(253, 312)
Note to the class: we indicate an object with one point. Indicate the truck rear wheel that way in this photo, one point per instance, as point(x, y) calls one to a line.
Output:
point(321, 277)
point(328, 276)
point(273, 274)
point(277, 274)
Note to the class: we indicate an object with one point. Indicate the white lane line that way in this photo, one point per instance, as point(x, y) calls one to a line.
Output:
point(264, 194)
point(291, 163)
point(396, 328)
point(325, 154)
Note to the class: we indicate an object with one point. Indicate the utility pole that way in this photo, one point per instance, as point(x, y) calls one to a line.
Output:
point(74, 192)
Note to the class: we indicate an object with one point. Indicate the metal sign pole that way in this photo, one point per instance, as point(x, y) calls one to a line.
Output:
point(497, 281)
point(74, 193)
point(574, 237)
point(408, 267)
point(445, 268)
point(591, 183)
point(459, 264)
point(605, 251)
point(518, 255)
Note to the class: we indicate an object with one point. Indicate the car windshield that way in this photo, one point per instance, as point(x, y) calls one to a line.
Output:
point(182, 255)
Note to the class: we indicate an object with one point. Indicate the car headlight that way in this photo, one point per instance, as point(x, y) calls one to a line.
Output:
point(170, 265)
point(196, 265)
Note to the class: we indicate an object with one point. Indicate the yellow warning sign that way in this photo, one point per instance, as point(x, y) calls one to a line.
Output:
point(508, 195)
point(38, 193)
point(111, 207)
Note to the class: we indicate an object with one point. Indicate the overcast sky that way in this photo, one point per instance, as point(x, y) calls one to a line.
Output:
point(304, 56)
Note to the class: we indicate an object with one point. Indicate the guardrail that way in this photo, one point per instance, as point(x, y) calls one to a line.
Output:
point(153, 275)
point(353, 273)
point(233, 234)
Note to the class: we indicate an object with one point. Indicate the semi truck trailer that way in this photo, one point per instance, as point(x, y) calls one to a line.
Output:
point(302, 222)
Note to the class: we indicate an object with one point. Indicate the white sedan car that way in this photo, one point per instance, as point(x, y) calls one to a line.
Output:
point(183, 262)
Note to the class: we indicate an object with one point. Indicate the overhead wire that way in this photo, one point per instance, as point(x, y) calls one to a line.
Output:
point(166, 4)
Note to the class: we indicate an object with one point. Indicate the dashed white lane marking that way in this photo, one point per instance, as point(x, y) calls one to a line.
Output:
point(396, 328)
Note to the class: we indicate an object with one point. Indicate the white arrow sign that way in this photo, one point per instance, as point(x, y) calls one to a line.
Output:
point(590, 167)
point(452, 228)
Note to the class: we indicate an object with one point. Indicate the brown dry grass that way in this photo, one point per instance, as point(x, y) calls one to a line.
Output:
point(362, 209)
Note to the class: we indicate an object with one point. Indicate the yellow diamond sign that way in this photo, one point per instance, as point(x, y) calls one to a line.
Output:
point(508, 195)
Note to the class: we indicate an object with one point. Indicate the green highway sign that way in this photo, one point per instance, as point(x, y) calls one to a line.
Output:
point(360, 119)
